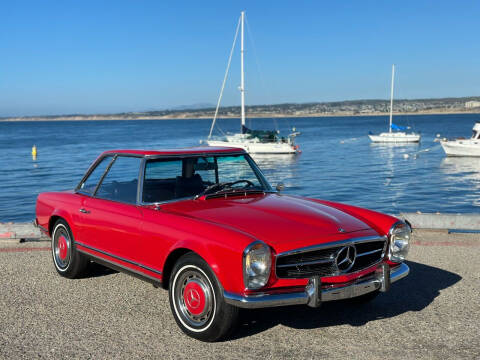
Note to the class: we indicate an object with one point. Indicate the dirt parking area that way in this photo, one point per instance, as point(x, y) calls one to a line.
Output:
point(433, 313)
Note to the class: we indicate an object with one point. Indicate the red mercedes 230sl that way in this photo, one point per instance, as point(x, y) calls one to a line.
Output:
point(205, 224)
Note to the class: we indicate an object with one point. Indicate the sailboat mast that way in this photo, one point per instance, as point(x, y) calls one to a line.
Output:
point(391, 99)
point(242, 76)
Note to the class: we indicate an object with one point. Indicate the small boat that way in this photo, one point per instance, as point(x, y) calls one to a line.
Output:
point(252, 141)
point(399, 135)
point(463, 147)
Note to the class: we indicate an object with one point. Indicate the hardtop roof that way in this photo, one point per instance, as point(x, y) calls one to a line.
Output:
point(181, 151)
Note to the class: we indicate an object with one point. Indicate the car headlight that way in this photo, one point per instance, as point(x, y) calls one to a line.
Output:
point(399, 235)
point(257, 262)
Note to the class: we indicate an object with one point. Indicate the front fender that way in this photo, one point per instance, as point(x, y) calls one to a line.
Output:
point(380, 222)
point(225, 262)
point(221, 247)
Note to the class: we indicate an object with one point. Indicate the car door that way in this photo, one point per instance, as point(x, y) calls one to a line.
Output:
point(86, 189)
point(112, 218)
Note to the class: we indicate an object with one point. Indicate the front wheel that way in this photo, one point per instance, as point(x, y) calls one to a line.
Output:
point(196, 300)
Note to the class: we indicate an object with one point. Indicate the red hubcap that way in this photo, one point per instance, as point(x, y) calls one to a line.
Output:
point(194, 298)
point(62, 247)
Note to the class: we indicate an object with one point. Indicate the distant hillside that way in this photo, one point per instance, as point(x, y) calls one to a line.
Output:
point(336, 108)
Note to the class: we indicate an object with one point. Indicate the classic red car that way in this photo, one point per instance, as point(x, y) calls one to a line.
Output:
point(205, 224)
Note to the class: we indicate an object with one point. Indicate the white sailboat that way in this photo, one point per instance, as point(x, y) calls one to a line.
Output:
point(253, 141)
point(463, 147)
point(394, 136)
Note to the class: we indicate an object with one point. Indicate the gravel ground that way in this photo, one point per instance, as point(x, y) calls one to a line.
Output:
point(433, 313)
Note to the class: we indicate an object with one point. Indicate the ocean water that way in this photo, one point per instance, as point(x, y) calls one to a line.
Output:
point(337, 162)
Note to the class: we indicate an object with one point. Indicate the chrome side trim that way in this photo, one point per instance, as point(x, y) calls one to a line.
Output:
point(334, 244)
point(314, 293)
point(116, 266)
point(116, 257)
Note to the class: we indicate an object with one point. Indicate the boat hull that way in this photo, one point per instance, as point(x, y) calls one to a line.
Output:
point(257, 147)
point(461, 147)
point(395, 137)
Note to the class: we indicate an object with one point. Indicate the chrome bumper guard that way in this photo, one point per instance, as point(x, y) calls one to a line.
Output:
point(315, 293)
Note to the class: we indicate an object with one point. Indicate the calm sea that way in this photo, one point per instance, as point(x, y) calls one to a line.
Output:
point(338, 161)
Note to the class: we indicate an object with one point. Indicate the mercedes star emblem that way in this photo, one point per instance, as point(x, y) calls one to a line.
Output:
point(346, 258)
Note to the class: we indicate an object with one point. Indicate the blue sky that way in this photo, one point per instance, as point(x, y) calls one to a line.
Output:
point(62, 57)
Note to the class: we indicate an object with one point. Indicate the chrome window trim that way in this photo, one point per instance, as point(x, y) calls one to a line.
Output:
point(199, 154)
point(107, 170)
point(89, 171)
point(256, 170)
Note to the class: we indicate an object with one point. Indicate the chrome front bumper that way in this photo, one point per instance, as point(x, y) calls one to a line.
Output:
point(315, 293)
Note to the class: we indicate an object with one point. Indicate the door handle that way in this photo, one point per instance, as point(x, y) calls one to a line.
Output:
point(82, 210)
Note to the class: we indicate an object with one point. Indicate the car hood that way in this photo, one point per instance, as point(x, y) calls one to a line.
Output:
point(274, 218)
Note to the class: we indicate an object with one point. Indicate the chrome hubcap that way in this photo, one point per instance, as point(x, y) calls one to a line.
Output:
point(194, 299)
point(62, 247)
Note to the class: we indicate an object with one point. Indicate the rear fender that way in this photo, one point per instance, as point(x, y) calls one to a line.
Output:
point(57, 214)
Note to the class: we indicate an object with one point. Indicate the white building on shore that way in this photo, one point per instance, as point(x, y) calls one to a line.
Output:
point(472, 104)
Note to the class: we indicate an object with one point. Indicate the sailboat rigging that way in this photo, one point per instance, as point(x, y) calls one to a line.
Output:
point(253, 141)
point(399, 135)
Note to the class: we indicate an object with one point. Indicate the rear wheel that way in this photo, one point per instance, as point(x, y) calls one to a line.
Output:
point(67, 260)
point(196, 300)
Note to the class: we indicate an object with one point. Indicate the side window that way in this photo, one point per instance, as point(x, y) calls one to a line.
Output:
point(89, 185)
point(205, 167)
point(166, 180)
point(120, 184)
point(160, 180)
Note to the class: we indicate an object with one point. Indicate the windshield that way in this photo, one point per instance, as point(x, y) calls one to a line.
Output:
point(176, 178)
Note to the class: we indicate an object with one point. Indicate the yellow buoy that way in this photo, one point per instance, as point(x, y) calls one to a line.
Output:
point(34, 152)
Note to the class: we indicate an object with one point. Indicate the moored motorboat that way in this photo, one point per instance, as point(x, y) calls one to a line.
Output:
point(463, 147)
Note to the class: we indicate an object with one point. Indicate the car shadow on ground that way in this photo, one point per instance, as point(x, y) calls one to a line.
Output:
point(413, 293)
point(96, 270)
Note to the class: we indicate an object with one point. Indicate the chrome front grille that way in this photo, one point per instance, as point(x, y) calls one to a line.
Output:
point(342, 257)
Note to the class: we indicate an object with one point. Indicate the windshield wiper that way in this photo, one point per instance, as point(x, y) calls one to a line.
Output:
point(212, 189)
point(226, 188)
point(230, 191)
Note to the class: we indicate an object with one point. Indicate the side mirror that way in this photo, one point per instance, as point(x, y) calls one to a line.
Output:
point(280, 187)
